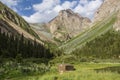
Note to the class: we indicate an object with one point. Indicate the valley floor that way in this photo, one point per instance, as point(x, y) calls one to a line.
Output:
point(84, 71)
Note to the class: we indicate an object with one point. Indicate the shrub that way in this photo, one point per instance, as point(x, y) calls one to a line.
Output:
point(83, 60)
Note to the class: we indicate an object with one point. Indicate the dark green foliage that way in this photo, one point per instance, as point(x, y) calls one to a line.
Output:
point(10, 69)
point(106, 46)
point(18, 47)
point(19, 58)
point(83, 59)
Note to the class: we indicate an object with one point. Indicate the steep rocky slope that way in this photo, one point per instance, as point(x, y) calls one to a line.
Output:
point(67, 25)
point(108, 7)
point(42, 31)
point(12, 23)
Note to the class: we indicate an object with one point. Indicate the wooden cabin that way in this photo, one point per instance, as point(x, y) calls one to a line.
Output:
point(65, 67)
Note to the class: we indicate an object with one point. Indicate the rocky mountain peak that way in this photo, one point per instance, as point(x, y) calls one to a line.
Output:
point(66, 12)
point(67, 25)
point(69, 13)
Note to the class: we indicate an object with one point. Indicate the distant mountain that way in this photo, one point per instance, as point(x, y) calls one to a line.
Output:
point(67, 25)
point(12, 23)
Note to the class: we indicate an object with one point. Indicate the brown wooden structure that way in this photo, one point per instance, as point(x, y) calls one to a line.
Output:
point(65, 67)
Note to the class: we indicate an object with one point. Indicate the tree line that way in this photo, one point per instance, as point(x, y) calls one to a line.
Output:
point(106, 46)
point(11, 46)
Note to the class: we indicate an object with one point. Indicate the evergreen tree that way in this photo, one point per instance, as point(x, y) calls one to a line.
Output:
point(11, 45)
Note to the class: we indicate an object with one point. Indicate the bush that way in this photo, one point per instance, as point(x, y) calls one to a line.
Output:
point(83, 60)
point(13, 69)
point(25, 70)
point(19, 58)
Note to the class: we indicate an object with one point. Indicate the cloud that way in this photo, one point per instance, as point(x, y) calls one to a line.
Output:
point(44, 11)
point(83, 2)
point(58, 8)
point(87, 9)
point(46, 5)
point(11, 4)
point(40, 17)
point(48, 9)
point(67, 4)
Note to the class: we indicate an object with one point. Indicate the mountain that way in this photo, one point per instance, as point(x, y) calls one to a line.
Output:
point(67, 25)
point(12, 23)
point(42, 31)
point(106, 18)
point(108, 7)
point(90, 34)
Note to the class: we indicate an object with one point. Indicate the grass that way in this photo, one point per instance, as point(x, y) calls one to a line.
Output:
point(84, 75)
point(84, 71)
point(96, 30)
point(12, 69)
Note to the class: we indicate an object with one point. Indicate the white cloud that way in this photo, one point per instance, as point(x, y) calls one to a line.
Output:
point(10, 3)
point(41, 17)
point(67, 4)
point(46, 5)
point(58, 8)
point(44, 11)
point(48, 9)
point(88, 8)
point(83, 2)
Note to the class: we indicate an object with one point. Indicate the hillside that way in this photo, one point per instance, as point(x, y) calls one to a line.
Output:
point(12, 23)
point(105, 46)
point(43, 32)
point(108, 7)
point(90, 34)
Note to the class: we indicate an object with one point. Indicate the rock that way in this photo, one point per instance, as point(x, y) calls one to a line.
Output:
point(67, 25)
point(108, 7)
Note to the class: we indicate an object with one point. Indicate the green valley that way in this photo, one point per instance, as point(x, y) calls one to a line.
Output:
point(60, 40)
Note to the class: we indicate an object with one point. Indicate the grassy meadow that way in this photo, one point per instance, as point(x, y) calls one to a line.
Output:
point(84, 71)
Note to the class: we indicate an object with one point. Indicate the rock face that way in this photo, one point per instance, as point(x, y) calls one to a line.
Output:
point(108, 7)
point(12, 23)
point(67, 25)
point(43, 32)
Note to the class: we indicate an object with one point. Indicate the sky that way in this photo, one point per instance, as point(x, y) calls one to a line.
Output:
point(42, 11)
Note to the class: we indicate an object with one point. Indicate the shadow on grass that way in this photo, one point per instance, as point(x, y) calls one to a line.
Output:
point(111, 69)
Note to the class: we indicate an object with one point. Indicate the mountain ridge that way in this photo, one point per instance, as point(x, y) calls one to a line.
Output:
point(15, 24)
point(67, 25)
